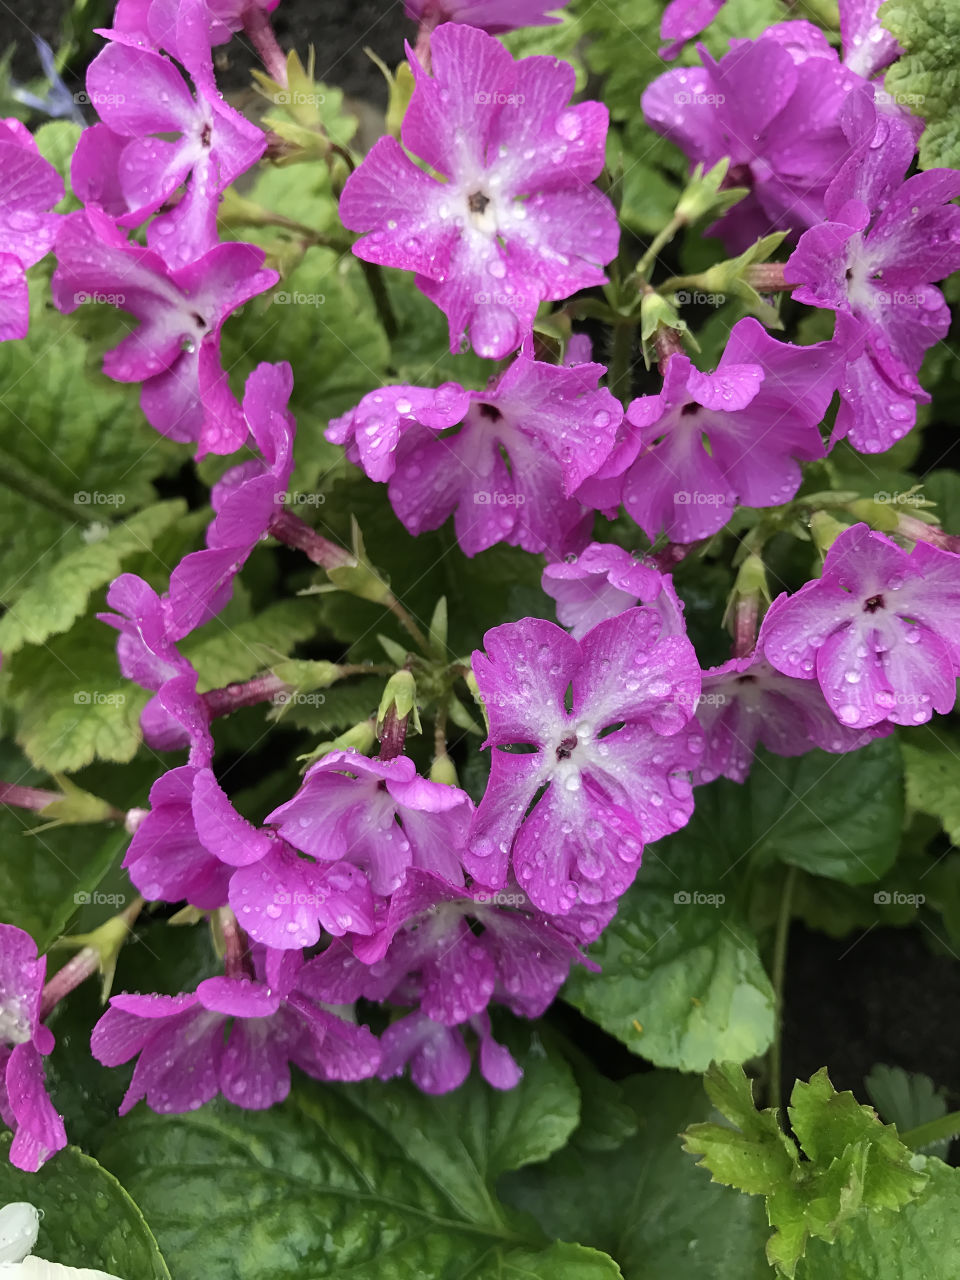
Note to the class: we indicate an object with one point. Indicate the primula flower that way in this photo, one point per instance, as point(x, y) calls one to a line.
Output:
point(887, 239)
point(746, 701)
point(609, 766)
point(684, 19)
point(878, 630)
point(494, 16)
point(507, 474)
point(207, 145)
point(602, 581)
point(247, 500)
point(867, 45)
point(175, 351)
point(437, 1056)
point(38, 1130)
point(31, 187)
point(773, 105)
point(233, 1035)
point(185, 28)
point(427, 953)
point(379, 815)
point(759, 411)
point(511, 218)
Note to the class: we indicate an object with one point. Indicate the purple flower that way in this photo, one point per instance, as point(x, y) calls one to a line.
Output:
point(379, 815)
point(774, 106)
point(494, 16)
point(746, 701)
point(38, 1130)
point(867, 46)
point(875, 260)
point(31, 187)
point(177, 716)
point(684, 19)
point(507, 474)
point(175, 351)
point(247, 500)
point(206, 144)
point(426, 953)
point(233, 1035)
point(759, 411)
point(437, 1056)
point(596, 778)
point(512, 218)
point(879, 631)
point(602, 581)
point(185, 28)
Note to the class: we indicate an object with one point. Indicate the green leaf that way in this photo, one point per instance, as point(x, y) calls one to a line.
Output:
point(88, 1220)
point(927, 77)
point(224, 652)
point(853, 1162)
point(44, 876)
point(931, 760)
point(57, 596)
point(921, 1241)
point(76, 449)
point(681, 982)
point(370, 1180)
point(907, 1099)
point(642, 1200)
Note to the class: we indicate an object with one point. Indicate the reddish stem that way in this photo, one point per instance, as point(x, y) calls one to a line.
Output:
point(746, 616)
point(294, 532)
point(919, 531)
point(767, 277)
point(257, 26)
point(236, 956)
point(262, 688)
point(392, 735)
point(27, 797)
point(666, 343)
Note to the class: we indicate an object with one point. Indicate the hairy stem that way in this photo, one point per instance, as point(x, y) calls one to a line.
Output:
point(774, 1081)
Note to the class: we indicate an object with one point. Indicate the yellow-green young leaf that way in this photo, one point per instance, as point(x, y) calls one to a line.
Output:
point(58, 594)
point(927, 77)
point(72, 704)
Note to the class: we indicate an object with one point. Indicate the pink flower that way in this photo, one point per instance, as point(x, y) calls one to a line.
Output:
point(493, 16)
point(684, 19)
point(233, 1035)
point(31, 187)
point(38, 1131)
point(759, 411)
point(206, 145)
point(879, 631)
point(511, 219)
point(609, 768)
point(602, 581)
point(508, 472)
point(175, 351)
point(887, 239)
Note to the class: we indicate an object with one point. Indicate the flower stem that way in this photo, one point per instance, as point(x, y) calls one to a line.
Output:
point(660, 240)
point(32, 798)
point(294, 532)
point(381, 299)
point(923, 1135)
point(781, 937)
point(256, 25)
point(621, 360)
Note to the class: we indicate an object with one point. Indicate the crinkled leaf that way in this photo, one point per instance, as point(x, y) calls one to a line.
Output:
point(927, 78)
